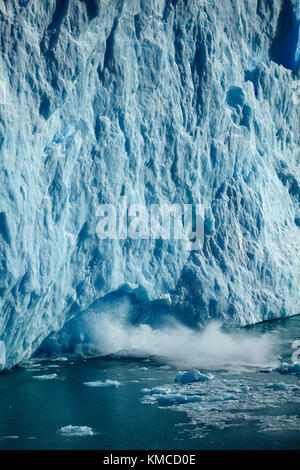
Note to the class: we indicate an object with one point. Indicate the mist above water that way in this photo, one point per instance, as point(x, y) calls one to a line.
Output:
point(183, 347)
point(108, 332)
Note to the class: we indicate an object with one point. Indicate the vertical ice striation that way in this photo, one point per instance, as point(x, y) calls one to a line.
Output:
point(161, 101)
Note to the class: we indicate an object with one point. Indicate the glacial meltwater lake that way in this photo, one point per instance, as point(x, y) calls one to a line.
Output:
point(122, 403)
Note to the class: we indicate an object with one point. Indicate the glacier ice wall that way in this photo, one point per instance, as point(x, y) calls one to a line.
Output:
point(170, 101)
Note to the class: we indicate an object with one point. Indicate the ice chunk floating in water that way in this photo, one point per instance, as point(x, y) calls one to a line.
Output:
point(192, 376)
point(45, 377)
point(160, 102)
point(76, 431)
point(102, 383)
point(289, 368)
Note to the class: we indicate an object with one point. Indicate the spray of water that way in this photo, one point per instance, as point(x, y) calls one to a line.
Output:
point(107, 328)
point(211, 348)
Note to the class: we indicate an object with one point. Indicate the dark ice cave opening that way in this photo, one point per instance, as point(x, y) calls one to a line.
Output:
point(285, 44)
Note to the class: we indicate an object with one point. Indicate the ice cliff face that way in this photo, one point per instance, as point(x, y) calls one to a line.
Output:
point(161, 101)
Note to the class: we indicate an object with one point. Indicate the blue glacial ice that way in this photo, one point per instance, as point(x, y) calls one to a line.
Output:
point(192, 375)
point(285, 368)
point(161, 101)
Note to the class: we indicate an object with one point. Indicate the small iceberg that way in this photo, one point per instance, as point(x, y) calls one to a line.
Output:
point(285, 368)
point(76, 431)
point(45, 377)
point(102, 383)
point(192, 375)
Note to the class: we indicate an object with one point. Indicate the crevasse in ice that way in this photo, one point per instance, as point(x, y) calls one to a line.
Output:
point(161, 101)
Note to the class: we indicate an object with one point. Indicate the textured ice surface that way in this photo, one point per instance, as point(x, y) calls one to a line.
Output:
point(2, 354)
point(161, 101)
point(76, 431)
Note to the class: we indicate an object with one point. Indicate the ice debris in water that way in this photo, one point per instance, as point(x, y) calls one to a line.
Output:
point(177, 399)
point(166, 395)
point(30, 365)
point(76, 431)
point(102, 383)
point(285, 368)
point(227, 401)
point(283, 386)
point(192, 376)
point(45, 377)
